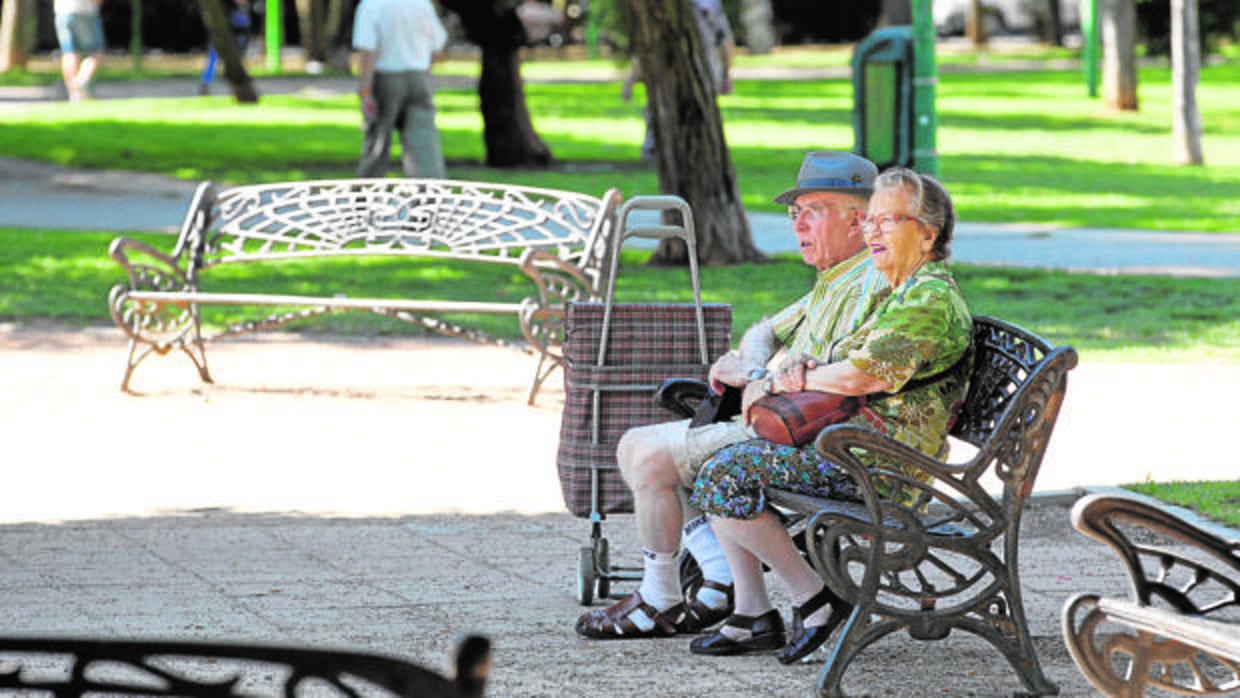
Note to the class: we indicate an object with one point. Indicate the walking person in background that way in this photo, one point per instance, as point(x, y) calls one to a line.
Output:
point(80, 34)
point(239, 25)
point(396, 41)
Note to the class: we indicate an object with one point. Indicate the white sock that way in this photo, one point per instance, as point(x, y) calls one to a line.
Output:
point(701, 542)
point(660, 585)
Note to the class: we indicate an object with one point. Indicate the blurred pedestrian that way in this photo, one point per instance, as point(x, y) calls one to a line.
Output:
point(80, 34)
point(396, 41)
point(540, 19)
point(239, 25)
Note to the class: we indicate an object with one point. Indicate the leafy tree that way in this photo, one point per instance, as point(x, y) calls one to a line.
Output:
point(17, 25)
point(690, 150)
point(507, 131)
point(1185, 67)
point(1118, 19)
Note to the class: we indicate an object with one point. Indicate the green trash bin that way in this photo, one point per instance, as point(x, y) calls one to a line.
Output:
point(882, 67)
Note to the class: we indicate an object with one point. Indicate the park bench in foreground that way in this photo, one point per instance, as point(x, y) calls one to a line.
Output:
point(1180, 632)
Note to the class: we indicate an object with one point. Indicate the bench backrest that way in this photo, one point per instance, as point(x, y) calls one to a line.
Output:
point(424, 217)
point(1015, 392)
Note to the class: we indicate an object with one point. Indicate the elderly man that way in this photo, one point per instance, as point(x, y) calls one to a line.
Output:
point(659, 461)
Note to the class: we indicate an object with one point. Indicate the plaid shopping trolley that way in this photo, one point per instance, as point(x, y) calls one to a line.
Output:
point(616, 355)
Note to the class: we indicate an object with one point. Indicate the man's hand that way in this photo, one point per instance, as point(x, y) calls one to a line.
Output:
point(730, 369)
point(370, 108)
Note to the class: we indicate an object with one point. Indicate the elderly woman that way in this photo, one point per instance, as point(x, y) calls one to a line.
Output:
point(922, 331)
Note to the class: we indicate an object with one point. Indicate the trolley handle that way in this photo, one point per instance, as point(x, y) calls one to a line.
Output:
point(684, 232)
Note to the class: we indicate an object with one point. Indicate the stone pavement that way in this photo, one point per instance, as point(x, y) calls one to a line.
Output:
point(326, 492)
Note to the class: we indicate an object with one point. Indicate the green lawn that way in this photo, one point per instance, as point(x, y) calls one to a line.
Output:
point(1014, 146)
point(1215, 500)
point(65, 276)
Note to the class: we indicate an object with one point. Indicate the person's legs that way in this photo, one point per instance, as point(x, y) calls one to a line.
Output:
point(732, 488)
point(377, 141)
point(208, 73)
point(421, 150)
point(69, 63)
point(87, 33)
point(69, 58)
point(765, 538)
point(755, 625)
point(654, 461)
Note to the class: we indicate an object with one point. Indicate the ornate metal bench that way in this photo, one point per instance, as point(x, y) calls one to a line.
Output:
point(71, 668)
point(1181, 633)
point(558, 239)
point(949, 559)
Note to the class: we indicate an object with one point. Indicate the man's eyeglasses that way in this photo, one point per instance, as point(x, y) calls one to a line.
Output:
point(887, 222)
point(816, 211)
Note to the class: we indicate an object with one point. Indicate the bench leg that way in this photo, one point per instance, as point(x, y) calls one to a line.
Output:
point(540, 374)
point(132, 361)
point(860, 631)
point(137, 356)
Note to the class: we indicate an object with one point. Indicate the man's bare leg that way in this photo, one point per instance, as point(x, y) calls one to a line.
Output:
point(70, 62)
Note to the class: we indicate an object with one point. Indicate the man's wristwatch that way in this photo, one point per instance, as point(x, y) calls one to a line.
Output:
point(758, 374)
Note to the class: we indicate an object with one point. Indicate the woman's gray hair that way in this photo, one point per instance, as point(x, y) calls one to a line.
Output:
point(931, 201)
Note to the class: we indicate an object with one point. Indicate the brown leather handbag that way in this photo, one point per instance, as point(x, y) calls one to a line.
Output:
point(794, 419)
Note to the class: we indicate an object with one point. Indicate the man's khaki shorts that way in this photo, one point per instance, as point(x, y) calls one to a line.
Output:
point(694, 446)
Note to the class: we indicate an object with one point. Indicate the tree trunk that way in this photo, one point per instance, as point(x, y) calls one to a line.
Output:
point(507, 130)
point(975, 24)
point(690, 149)
point(893, 13)
point(17, 29)
point(1185, 67)
point(758, 24)
point(216, 21)
point(1119, 56)
point(340, 36)
point(1050, 23)
point(312, 19)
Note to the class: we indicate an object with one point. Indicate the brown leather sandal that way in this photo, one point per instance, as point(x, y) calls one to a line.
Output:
point(699, 616)
point(614, 624)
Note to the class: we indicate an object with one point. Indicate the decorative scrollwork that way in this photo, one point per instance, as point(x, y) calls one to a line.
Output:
point(369, 215)
point(928, 549)
point(1125, 661)
point(1181, 633)
point(559, 234)
point(75, 667)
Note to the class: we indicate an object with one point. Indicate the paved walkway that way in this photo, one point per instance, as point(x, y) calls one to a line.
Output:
point(391, 494)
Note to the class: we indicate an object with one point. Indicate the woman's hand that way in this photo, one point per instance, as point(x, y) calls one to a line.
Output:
point(789, 376)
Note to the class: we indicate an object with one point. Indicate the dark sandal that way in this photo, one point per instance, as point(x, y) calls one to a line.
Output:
point(807, 639)
point(766, 632)
point(699, 616)
point(614, 624)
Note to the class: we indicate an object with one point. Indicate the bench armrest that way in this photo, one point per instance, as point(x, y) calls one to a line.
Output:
point(558, 283)
point(148, 269)
point(1193, 568)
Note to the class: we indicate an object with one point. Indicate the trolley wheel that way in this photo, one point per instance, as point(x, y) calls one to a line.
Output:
point(585, 576)
point(602, 565)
